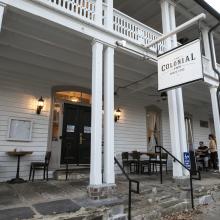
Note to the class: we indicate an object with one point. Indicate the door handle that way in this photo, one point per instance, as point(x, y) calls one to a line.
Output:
point(81, 139)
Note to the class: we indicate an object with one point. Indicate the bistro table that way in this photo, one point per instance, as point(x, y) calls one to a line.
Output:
point(18, 154)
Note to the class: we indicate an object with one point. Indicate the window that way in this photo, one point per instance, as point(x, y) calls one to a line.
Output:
point(74, 97)
point(189, 132)
point(153, 127)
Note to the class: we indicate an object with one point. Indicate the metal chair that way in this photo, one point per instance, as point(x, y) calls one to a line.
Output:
point(125, 159)
point(153, 162)
point(164, 160)
point(144, 163)
point(135, 162)
point(40, 166)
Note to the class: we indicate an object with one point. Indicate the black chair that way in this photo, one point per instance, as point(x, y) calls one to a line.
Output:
point(144, 163)
point(125, 159)
point(40, 166)
point(153, 162)
point(135, 162)
point(164, 160)
point(68, 160)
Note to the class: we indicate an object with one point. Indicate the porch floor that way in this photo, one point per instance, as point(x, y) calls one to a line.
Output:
point(68, 199)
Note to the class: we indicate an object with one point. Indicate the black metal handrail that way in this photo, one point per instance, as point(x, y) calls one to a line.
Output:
point(176, 160)
point(137, 191)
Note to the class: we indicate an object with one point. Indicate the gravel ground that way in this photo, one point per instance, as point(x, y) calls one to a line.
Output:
point(210, 212)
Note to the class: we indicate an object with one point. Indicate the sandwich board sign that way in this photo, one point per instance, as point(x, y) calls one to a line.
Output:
point(180, 66)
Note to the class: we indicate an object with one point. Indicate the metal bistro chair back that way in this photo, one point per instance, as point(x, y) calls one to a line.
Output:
point(47, 157)
point(135, 162)
point(40, 166)
point(124, 156)
point(125, 160)
point(164, 156)
point(164, 159)
point(136, 155)
point(153, 162)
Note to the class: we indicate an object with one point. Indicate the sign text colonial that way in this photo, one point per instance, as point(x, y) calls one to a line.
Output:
point(180, 66)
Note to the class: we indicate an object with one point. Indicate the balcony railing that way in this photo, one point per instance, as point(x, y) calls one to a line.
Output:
point(123, 25)
point(134, 30)
point(84, 9)
point(207, 68)
point(218, 67)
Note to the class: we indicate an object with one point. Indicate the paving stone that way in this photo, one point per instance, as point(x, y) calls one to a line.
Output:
point(16, 213)
point(8, 196)
point(206, 200)
point(56, 207)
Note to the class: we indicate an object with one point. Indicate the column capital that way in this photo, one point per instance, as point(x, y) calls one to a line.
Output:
point(213, 87)
point(168, 1)
point(94, 40)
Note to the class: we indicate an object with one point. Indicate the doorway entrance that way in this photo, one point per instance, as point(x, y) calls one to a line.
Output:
point(76, 134)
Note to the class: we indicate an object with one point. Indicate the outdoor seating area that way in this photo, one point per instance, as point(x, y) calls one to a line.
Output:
point(144, 162)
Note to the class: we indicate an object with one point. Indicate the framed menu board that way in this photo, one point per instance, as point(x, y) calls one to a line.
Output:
point(20, 129)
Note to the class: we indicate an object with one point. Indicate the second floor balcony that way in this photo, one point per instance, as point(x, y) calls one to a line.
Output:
point(123, 25)
point(132, 28)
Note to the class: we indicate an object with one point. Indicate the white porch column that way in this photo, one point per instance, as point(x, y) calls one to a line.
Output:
point(179, 96)
point(2, 10)
point(175, 99)
point(96, 131)
point(98, 12)
point(215, 110)
point(206, 42)
point(109, 14)
point(174, 132)
point(109, 174)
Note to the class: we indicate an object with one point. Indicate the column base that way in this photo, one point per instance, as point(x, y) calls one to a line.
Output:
point(97, 192)
point(181, 181)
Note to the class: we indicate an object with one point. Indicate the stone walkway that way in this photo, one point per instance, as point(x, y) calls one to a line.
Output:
point(68, 199)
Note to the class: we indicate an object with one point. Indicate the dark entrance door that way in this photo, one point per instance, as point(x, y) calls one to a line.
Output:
point(76, 134)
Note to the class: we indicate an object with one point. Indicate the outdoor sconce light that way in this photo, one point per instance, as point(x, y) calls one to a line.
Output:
point(40, 105)
point(117, 114)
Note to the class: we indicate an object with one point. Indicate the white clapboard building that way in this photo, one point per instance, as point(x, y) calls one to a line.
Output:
point(78, 79)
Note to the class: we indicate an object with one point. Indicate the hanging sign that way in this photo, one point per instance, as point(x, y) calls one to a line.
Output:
point(180, 66)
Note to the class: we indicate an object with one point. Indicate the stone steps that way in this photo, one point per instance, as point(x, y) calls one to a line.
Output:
point(73, 174)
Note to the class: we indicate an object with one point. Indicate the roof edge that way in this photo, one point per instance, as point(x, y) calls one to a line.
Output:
point(208, 8)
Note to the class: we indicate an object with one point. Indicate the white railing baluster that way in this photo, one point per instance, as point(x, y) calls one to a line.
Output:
point(123, 25)
point(136, 31)
point(84, 9)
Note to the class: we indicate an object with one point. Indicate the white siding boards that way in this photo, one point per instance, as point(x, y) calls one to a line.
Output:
point(18, 98)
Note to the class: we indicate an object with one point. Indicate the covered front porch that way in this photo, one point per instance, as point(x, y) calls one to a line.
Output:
point(39, 58)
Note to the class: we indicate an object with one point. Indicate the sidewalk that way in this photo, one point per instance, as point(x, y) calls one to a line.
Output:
point(68, 199)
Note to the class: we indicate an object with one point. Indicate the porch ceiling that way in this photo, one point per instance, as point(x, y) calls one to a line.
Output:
point(185, 10)
point(32, 47)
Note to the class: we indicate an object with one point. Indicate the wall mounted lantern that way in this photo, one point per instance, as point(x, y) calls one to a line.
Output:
point(40, 105)
point(117, 114)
